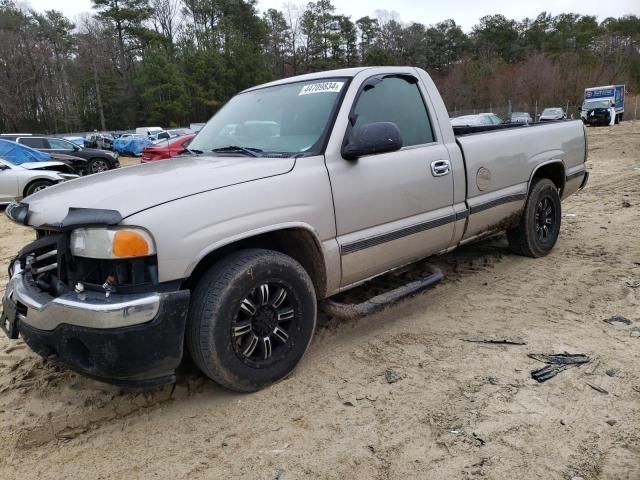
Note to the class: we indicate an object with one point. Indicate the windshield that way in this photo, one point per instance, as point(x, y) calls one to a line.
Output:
point(552, 111)
point(595, 104)
point(285, 119)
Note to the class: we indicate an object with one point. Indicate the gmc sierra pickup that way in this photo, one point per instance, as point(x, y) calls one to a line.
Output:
point(294, 191)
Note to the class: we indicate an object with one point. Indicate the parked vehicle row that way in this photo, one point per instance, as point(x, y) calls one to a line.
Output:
point(488, 119)
point(84, 160)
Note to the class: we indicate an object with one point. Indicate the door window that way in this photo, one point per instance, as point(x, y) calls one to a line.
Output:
point(34, 142)
point(397, 100)
point(58, 144)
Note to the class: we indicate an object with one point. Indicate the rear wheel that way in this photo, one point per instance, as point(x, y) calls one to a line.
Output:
point(252, 317)
point(539, 227)
point(36, 186)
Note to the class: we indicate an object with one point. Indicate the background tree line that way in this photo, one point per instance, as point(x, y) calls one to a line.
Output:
point(171, 62)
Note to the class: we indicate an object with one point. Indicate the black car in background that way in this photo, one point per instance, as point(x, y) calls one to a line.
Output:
point(94, 160)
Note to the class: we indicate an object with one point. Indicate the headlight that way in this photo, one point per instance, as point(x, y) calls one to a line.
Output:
point(111, 243)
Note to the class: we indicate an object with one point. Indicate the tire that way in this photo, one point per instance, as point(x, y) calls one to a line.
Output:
point(97, 165)
point(539, 227)
point(36, 186)
point(232, 315)
point(617, 120)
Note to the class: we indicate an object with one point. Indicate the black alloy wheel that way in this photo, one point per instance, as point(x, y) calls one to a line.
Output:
point(260, 330)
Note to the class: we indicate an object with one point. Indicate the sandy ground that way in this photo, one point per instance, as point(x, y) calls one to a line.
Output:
point(457, 410)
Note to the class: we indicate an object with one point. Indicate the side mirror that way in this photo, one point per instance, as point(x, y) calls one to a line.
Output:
point(372, 139)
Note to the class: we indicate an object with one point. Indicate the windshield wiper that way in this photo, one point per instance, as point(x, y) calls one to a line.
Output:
point(252, 152)
point(192, 151)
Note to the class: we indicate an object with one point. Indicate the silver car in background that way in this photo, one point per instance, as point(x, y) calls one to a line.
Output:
point(520, 117)
point(18, 181)
point(552, 114)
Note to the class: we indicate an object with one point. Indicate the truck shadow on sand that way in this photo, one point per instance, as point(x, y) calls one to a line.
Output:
point(42, 403)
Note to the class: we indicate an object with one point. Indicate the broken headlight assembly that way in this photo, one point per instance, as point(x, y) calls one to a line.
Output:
point(121, 259)
point(111, 243)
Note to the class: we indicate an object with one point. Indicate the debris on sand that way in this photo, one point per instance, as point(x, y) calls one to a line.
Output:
point(635, 332)
point(617, 319)
point(391, 376)
point(625, 204)
point(495, 340)
point(561, 358)
point(632, 283)
point(598, 389)
point(557, 363)
point(478, 439)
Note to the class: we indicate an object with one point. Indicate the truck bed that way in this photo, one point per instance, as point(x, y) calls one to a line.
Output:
point(500, 160)
point(470, 130)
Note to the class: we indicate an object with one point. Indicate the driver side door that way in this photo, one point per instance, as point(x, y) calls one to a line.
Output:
point(392, 208)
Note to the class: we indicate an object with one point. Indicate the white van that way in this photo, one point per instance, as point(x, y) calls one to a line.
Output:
point(148, 130)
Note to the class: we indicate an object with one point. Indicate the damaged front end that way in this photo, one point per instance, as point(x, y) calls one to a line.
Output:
point(108, 318)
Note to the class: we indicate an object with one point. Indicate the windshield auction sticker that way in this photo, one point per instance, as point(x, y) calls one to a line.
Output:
point(321, 87)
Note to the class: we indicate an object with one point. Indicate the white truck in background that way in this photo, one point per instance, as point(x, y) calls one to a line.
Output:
point(603, 105)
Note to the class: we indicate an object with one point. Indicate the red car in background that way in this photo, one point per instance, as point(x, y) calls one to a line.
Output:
point(165, 149)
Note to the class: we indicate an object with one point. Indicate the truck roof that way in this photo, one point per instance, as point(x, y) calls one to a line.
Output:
point(342, 72)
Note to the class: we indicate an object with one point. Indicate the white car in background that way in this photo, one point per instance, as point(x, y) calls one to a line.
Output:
point(18, 181)
point(478, 120)
point(552, 114)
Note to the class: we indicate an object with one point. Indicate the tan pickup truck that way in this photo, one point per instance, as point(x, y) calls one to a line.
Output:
point(294, 191)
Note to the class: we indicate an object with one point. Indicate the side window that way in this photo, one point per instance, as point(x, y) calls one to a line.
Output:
point(34, 142)
point(396, 100)
point(57, 144)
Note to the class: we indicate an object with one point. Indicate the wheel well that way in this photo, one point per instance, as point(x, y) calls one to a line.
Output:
point(298, 243)
point(26, 187)
point(552, 171)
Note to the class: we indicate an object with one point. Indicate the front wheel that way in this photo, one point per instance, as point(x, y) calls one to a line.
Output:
point(37, 186)
point(98, 165)
point(539, 227)
point(252, 317)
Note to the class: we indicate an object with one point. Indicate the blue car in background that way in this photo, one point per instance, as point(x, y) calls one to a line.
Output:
point(18, 154)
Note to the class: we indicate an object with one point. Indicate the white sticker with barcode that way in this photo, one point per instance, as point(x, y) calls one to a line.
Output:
point(321, 87)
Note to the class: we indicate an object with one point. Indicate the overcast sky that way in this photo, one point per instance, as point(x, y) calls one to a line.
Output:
point(465, 12)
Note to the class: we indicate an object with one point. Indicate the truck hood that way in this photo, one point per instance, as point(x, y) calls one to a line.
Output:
point(132, 189)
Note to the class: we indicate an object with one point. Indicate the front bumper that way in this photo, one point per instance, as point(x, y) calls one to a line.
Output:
point(131, 340)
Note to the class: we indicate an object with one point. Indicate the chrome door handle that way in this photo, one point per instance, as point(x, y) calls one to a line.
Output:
point(440, 168)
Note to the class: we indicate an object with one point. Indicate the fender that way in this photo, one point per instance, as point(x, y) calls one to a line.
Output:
point(253, 233)
point(549, 162)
